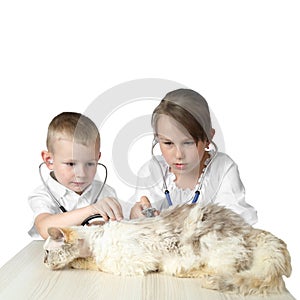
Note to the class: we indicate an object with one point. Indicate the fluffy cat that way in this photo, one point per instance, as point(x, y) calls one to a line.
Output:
point(211, 243)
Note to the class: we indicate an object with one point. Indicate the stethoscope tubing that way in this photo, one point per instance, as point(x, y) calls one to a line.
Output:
point(197, 192)
point(59, 205)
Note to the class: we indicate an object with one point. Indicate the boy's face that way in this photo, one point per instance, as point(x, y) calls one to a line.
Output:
point(75, 165)
point(178, 147)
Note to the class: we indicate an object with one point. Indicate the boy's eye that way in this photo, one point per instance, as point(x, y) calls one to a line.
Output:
point(73, 164)
point(167, 143)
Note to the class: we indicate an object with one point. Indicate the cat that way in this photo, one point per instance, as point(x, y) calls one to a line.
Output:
point(210, 242)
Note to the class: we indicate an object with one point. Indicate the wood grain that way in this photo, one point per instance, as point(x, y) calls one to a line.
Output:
point(26, 277)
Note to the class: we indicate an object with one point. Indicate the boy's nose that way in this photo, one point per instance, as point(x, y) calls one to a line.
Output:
point(79, 170)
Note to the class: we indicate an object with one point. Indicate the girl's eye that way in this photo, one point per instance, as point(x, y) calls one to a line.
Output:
point(70, 164)
point(189, 143)
point(91, 164)
point(168, 143)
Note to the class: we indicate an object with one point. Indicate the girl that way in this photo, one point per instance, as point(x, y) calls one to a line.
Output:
point(190, 169)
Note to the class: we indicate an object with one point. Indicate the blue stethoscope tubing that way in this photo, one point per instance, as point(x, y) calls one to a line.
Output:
point(54, 198)
point(197, 192)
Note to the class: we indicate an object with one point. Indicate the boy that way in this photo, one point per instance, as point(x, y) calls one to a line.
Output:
point(73, 143)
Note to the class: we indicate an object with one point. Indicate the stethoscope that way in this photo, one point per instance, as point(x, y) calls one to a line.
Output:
point(213, 154)
point(60, 206)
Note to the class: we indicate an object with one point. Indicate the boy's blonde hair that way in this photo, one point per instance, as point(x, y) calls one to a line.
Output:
point(74, 126)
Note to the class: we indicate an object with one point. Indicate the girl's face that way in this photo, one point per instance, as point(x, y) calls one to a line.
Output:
point(74, 165)
point(178, 147)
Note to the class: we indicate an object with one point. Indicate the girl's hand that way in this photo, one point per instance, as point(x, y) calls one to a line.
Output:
point(136, 210)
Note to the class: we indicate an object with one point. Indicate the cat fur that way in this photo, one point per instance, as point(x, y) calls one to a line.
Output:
point(210, 242)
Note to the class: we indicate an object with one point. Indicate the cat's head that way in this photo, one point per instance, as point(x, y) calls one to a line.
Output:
point(61, 247)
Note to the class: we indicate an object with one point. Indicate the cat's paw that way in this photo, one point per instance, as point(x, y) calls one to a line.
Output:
point(87, 263)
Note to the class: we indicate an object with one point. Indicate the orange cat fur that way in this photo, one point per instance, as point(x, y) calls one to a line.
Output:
point(211, 243)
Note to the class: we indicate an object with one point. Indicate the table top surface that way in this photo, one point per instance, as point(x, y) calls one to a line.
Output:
point(26, 277)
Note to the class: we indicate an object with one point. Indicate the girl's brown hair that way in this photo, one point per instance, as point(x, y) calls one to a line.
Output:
point(189, 109)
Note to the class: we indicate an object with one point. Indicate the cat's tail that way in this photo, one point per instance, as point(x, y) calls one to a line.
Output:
point(271, 260)
point(270, 257)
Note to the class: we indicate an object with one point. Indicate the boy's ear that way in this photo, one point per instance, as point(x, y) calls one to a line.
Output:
point(48, 159)
point(99, 155)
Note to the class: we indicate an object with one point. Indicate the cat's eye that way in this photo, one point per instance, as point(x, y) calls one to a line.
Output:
point(46, 256)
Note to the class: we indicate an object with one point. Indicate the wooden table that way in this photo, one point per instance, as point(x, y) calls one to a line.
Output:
point(26, 277)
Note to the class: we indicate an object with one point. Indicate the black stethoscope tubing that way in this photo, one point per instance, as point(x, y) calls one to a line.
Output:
point(61, 207)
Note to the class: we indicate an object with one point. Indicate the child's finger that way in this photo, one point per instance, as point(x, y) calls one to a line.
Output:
point(145, 203)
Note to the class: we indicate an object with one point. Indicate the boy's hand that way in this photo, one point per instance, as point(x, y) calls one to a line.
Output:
point(109, 208)
point(136, 210)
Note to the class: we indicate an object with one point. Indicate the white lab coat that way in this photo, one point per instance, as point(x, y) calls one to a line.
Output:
point(41, 202)
point(221, 185)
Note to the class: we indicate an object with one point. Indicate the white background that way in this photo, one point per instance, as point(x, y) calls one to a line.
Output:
point(242, 56)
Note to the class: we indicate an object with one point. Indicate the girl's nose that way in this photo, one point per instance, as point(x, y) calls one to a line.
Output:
point(179, 152)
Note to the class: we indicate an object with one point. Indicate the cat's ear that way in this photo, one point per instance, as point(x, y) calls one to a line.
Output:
point(55, 233)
